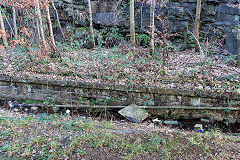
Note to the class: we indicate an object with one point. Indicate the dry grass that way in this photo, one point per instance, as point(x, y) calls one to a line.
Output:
point(55, 136)
point(129, 67)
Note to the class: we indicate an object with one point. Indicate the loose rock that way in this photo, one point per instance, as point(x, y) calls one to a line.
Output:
point(55, 109)
point(134, 113)
point(16, 110)
point(157, 121)
point(198, 127)
point(170, 122)
point(34, 108)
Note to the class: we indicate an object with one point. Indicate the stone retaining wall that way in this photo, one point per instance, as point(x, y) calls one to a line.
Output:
point(76, 93)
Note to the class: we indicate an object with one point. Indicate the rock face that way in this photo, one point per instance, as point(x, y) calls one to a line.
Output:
point(134, 113)
point(232, 42)
point(217, 17)
point(106, 19)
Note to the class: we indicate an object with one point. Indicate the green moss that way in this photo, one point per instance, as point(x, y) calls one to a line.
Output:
point(81, 28)
point(30, 101)
point(83, 99)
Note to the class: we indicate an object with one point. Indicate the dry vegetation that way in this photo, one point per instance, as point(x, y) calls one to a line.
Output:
point(61, 136)
point(129, 67)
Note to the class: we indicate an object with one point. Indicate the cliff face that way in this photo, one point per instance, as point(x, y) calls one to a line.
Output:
point(217, 17)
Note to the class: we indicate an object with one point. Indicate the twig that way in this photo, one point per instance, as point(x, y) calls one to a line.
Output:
point(199, 46)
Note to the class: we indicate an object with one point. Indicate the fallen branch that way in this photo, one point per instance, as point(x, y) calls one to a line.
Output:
point(199, 46)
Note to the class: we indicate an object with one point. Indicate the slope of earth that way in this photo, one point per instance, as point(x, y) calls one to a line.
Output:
point(127, 66)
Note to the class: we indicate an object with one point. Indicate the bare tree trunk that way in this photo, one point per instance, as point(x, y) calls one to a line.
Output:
point(197, 23)
point(15, 23)
point(142, 16)
point(152, 25)
point(132, 23)
point(38, 31)
point(91, 21)
point(8, 22)
point(50, 27)
point(41, 25)
point(238, 39)
point(4, 37)
point(58, 21)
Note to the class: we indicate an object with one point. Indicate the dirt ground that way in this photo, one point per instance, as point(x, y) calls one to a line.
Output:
point(66, 136)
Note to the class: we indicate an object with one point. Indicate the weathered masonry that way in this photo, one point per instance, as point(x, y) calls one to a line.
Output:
point(165, 102)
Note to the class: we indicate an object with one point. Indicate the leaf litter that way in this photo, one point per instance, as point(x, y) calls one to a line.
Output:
point(179, 70)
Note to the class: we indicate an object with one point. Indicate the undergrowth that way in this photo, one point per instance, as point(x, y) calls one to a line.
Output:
point(54, 136)
point(121, 65)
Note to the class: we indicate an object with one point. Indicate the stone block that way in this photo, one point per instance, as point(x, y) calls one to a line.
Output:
point(228, 9)
point(160, 100)
point(235, 1)
point(106, 19)
point(212, 1)
point(208, 10)
point(196, 102)
point(4, 88)
point(232, 42)
point(207, 102)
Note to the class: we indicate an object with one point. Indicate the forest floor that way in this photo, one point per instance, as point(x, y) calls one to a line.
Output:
point(121, 65)
point(63, 136)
